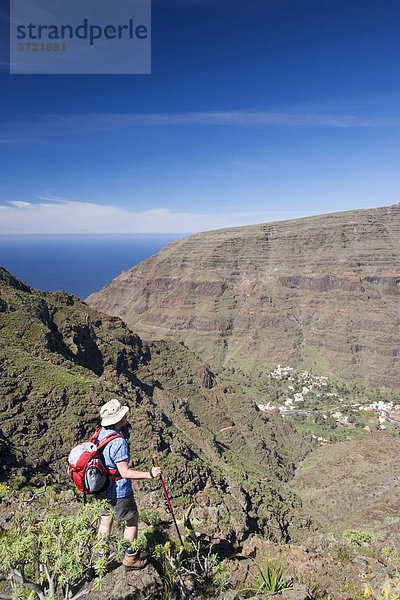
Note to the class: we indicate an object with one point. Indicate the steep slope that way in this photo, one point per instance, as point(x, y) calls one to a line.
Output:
point(353, 484)
point(60, 360)
point(320, 292)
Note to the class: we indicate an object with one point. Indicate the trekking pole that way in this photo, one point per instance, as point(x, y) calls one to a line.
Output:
point(155, 464)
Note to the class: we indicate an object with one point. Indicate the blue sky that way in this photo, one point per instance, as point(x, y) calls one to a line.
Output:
point(256, 110)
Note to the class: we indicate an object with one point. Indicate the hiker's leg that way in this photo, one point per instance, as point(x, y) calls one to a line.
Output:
point(132, 559)
point(104, 530)
point(105, 526)
point(131, 528)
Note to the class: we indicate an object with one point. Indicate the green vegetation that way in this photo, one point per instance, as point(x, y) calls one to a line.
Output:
point(54, 556)
point(188, 568)
point(271, 577)
point(4, 491)
point(359, 536)
point(185, 569)
point(50, 556)
point(392, 556)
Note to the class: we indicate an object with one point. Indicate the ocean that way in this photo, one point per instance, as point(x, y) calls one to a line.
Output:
point(78, 264)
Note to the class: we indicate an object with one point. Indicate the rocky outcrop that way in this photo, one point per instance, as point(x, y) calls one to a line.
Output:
point(319, 292)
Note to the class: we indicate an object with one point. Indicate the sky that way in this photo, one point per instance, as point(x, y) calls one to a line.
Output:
point(255, 111)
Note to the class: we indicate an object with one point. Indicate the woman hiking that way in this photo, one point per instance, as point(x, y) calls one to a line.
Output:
point(119, 495)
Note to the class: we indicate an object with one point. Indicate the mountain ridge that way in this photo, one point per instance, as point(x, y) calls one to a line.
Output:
point(320, 292)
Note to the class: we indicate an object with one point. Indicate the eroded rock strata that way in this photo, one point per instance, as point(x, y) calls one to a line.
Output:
point(321, 291)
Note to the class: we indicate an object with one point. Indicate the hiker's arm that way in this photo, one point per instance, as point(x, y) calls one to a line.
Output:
point(127, 473)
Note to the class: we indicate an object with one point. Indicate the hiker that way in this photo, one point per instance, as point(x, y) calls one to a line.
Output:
point(120, 495)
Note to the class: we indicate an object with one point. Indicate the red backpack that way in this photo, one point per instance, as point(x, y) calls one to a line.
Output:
point(86, 466)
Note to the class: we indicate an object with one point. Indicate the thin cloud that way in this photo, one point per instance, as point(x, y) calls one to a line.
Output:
point(79, 124)
point(221, 118)
point(19, 204)
point(63, 217)
point(48, 197)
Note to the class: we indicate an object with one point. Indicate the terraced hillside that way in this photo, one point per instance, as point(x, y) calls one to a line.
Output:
point(319, 292)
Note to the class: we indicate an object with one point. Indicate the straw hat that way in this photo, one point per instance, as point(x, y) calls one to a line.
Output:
point(112, 412)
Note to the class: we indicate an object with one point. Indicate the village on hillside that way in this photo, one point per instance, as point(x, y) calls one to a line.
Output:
point(302, 393)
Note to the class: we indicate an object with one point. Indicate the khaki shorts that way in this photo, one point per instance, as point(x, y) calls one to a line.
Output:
point(124, 508)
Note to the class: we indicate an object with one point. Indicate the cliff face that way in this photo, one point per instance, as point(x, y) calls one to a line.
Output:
point(321, 291)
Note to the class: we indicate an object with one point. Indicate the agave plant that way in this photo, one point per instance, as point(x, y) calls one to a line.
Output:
point(271, 577)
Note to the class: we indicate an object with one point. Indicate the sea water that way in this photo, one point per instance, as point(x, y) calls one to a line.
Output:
point(78, 264)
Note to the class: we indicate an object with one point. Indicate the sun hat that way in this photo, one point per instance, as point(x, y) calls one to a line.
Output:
point(112, 412)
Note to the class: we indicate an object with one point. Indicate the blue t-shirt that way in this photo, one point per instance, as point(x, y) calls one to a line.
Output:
point(115, 451)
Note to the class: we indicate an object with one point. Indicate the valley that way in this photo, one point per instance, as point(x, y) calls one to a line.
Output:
point(265, 382)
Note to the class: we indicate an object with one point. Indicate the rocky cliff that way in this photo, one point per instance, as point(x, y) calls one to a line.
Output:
point(320, 292)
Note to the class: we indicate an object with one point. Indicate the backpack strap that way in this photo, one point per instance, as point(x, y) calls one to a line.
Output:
point(83, 483)
point(107, 439)
point(115, 476)
point(95, 437)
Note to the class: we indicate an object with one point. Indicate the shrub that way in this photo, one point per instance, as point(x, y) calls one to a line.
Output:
point(184, 569)
point(50, 556)
point(4, 491)
point(150, 516)
point(271, 577)
point(359, 536)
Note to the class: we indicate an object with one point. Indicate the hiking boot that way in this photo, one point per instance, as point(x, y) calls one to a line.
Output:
point(134, 561)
